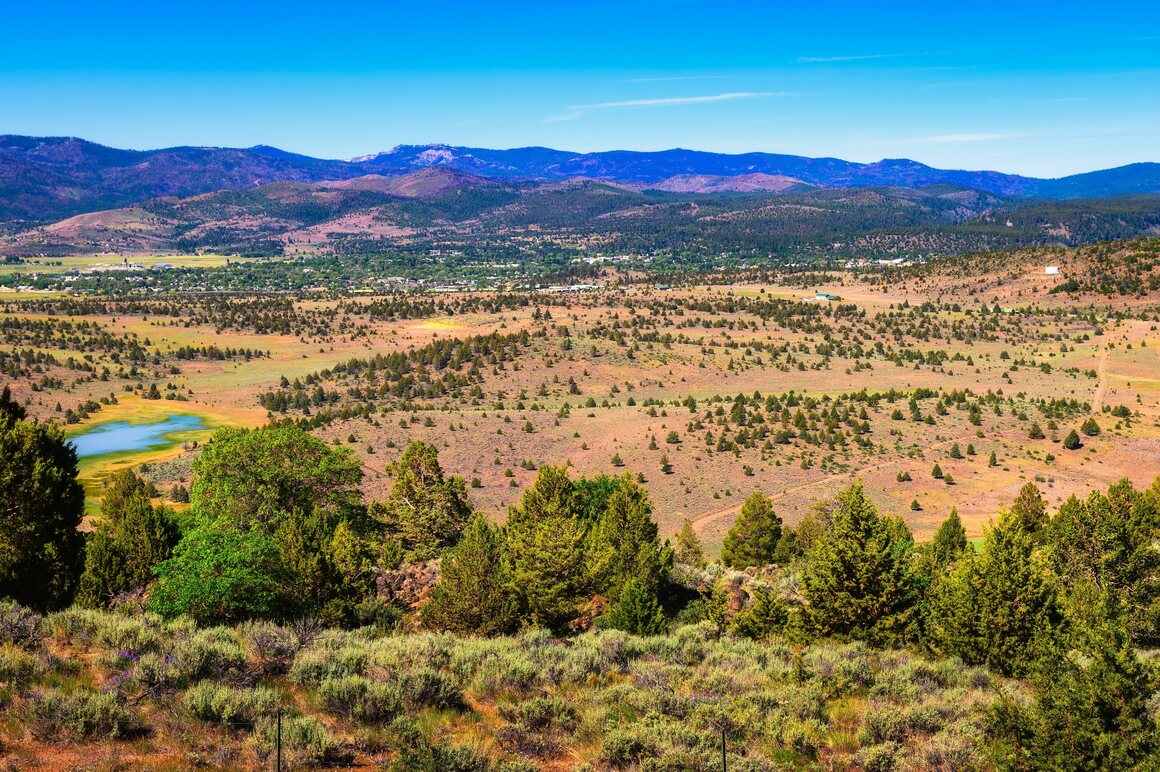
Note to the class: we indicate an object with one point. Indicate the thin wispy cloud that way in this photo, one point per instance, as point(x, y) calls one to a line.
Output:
point(673, 101)
point(576, 112)
point(844, 58)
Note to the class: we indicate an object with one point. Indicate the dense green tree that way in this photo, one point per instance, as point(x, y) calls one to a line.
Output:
point(219, 575)
point(1071, 441)
point(545, 548)
point(330, 564)
point(425, 512)
point(253, 478)
point(753, 539)
point(637, 611)
point(949, 542)
point(623, 545)
point(818, 521)
point(1090, 427)
point(1090, 710)
point(474, 592)
point(936, 557)
point(592, 494)
point(858, 578)
point(128, 542)
point(41, 506)
point(1030, 509)
point(1105, 545)
point(998, 607)
point(687, 549)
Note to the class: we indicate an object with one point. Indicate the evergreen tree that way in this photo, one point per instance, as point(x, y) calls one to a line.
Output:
point(41, 506)
point(545, 540)
point(131, 538)
point(766, 615)
point(753, 539)
point(997, 608)
point(688, 550)
point(623, 544)
point(857, 578)
point(10, 410)
point(330, 564)
point(1090, 427)
point(592, 494)
point(425, 512)
point(1090, 710)
point(473, 594)
point(637, 611)
point(1071, 441)
point(1104, 546)
point(950, 542)
point(1030, 509)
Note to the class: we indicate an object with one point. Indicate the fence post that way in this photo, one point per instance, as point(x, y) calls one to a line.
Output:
point(278, 741)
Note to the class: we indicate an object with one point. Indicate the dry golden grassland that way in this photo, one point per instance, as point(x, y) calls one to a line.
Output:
point(656, 347)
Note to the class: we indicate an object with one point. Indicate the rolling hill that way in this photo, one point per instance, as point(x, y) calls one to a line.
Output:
point(442, 208)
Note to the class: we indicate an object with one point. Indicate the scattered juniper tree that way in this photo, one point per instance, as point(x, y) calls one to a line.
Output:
point(753, 539)
point(999, 607)
point(688, 549)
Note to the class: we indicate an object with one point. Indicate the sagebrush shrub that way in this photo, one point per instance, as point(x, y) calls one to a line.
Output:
point(19, 625)
point(81, 715)
point(233, 708)
point(314, 665)
point(213, 653)
point(428, 688)
point(305, 742)
point(360, 699)
point(270, 647)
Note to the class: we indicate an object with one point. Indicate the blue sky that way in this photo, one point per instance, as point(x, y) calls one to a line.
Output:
point(1037, 89)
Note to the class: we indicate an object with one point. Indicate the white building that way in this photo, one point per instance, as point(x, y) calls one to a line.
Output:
point(1051, 270)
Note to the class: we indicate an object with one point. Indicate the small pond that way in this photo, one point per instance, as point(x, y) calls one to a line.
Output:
point(120, 436)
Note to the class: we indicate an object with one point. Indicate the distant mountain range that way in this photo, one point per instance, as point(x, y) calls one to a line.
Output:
point(44, 179)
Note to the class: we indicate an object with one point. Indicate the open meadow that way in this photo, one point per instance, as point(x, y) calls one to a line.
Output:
point(705, 391)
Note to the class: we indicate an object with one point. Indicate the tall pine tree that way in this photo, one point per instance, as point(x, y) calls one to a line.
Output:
point(997, 608)
point(858, 579)
point(474, 593)
point(623, 544)
point(545, 548)
point(129, 541)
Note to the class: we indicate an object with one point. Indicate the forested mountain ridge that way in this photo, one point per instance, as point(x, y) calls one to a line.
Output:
point(446, 209)
point(48, 178)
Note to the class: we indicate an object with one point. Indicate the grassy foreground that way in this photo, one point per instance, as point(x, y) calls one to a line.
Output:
point(110, 691)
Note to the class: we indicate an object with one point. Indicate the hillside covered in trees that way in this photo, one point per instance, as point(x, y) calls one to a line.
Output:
point(569, 636)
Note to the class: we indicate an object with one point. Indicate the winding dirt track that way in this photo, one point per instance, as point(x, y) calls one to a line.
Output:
point(704, 520)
